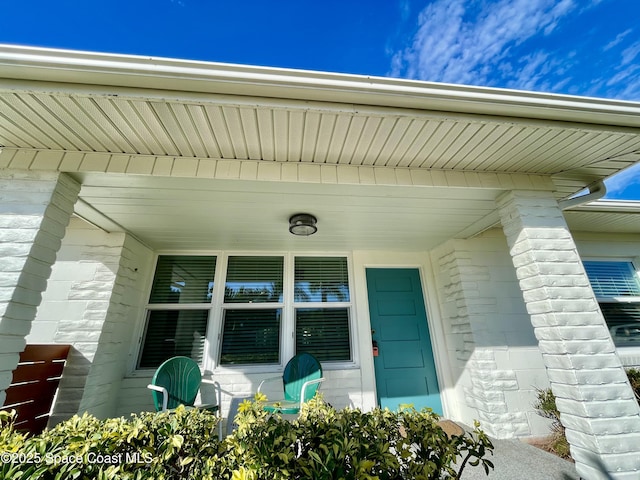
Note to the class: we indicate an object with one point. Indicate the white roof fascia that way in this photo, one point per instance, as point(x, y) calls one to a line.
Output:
point(613, 206)
point(100, 69)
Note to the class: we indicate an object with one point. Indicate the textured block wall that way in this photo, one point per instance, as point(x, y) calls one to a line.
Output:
point(35, 208)
point(595, 400)
point(625, 247)
point(93, 302)
point(110, 362)
point(342, 388)
point(493, 353)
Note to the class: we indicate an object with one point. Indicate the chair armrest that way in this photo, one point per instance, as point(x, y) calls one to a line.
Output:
point(217, 387)
point(163, 391)
point(305, 385)
point(270, 379)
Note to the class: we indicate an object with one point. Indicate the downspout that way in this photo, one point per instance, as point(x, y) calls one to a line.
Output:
point(596, 192)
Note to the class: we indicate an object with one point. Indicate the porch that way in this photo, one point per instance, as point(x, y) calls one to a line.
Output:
point(460, 185)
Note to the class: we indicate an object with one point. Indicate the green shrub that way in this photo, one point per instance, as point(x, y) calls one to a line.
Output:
point(150, 445)
point(634, 379)
point(546, 407)
point(323, 443)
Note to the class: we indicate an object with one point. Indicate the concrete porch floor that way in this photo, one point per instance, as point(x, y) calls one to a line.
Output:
point(515, 459)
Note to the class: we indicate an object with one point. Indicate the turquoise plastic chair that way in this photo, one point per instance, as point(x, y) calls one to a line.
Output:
point(301, 379)
point(177, 382)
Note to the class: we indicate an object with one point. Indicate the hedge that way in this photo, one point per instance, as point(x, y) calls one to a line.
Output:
point(323, 443)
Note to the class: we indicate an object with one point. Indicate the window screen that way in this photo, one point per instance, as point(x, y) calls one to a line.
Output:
point(251, 335)
point(254, 312)
point(171, 333)
point(612, 279)
point(321, 329)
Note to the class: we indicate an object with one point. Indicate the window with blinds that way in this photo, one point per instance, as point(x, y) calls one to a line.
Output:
point(251, 336)
point(321, 279)
point(183, 279)
point(173, 327)
point(251, 332)
point(617, 289)
point(254, 280)
point(171, 333)
point(321, 295)
point(265, 310)
point(324, 333)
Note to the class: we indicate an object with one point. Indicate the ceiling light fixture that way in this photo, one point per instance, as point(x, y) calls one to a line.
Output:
point(303, 224)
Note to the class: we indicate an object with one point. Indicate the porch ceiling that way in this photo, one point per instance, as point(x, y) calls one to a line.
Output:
point(197, 214)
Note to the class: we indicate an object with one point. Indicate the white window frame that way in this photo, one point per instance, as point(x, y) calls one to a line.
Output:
point(141, 331)
point(213, 339)
point(213, 359)
point(324, 305)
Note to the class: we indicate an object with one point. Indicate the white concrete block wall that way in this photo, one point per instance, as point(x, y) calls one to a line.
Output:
point(35, 208)
point(69, 270)
point(93, 300)
point(492, 348)
point(109, 366)
point(593, 395)
point(342, 388)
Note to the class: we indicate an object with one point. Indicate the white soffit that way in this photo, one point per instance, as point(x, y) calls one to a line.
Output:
point(606, 216)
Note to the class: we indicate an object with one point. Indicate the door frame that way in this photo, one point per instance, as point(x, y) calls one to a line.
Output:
point(380, 260)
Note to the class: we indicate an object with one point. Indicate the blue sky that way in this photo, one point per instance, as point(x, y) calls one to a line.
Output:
point(578, 47)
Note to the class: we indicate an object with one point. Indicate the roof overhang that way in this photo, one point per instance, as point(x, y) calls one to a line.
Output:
point(153, 73)
point(343, 145)
point(606, 216)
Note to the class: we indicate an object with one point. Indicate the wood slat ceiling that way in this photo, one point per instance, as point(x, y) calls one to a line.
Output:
point(606, 222)
point(183, 213)
point(220, 128)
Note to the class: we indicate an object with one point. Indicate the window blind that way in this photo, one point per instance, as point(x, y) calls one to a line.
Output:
point(321, 279)
point(323, 332)
point(621, 313)
point(251, 336)
point(183, 279)
point(623, 320)
point(612, 279)
point(254, 280)
point(171, 333)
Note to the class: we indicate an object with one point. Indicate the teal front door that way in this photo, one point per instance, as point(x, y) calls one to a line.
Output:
point(404, 368)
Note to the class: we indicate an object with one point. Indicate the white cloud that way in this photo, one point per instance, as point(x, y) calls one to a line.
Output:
point(539, 45)
point(456, 45)
point(623, 77)
point(629, 54)
point(616, 41)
